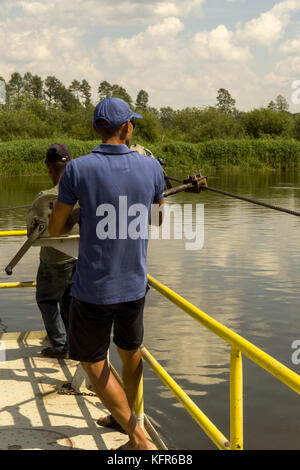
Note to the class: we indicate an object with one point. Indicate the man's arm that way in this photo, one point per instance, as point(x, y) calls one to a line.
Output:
point(62, 219)
point(157, 213)
point(157, 208)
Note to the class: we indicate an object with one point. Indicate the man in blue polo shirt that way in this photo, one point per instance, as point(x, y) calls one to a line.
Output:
point(116, 188)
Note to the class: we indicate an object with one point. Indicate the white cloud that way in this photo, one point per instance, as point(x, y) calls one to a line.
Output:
point(106, 12)
point(177, 8)
point(219, 44)
point(285, 71)
point(161, 44)
point(166, 9)
point(270, 26)
point(169, 65)
point(152, 48)
point(38, 45)
point(291, 47)
point(149, 45)
point(32, 7)
point(52, 37)
point(170, 26)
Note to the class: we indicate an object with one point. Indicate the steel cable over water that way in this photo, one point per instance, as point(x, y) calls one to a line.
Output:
point(184, 186)
point(253, 201)
point(178, 189)
point(14, 208)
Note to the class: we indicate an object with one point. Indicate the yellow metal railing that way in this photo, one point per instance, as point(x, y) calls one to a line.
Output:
point(239, 346)
point(13, 233)
point(12, 285)
point(208, 427)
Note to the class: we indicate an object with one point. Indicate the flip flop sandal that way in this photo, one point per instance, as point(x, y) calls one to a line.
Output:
point(112, 424)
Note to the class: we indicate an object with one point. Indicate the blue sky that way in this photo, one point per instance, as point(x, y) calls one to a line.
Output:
point(181, 52)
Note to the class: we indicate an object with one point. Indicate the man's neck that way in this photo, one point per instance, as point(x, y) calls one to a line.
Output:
point(114, 141)
point(56, 180)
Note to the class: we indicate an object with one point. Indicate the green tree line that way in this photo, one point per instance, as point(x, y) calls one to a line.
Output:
point(37, 108)
point(26, 157)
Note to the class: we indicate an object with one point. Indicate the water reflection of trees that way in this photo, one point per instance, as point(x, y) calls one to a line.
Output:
point(18, 191)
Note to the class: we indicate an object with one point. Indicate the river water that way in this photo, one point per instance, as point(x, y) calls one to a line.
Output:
point(246, 276)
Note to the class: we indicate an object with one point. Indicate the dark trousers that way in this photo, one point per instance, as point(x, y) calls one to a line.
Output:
point(53, 299)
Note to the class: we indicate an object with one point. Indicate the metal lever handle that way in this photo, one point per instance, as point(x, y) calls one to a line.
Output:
point(40, 228)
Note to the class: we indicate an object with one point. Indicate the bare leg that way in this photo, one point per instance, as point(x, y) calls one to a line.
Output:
point(114, 398)
point(131, 373)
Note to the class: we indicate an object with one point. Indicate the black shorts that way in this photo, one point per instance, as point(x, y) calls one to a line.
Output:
point(91, 324)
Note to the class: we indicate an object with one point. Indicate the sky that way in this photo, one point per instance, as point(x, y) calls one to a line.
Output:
point(180, 52)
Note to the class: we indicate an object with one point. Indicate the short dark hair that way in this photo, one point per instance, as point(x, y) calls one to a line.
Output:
point(57, 167)
point(107, 132)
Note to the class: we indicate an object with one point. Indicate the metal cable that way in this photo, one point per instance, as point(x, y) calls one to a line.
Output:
point(253, 201)
point(174, 179)
point(235, 196)
point(14, 208)
point(208, 188)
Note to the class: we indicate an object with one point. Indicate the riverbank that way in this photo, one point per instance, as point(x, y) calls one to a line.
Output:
point(26, 157)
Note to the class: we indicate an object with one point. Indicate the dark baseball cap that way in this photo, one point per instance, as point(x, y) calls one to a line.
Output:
point(114, 111)
point(57, 153)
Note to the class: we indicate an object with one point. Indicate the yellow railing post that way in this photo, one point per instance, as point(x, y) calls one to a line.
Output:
point(236, 400)
point(208, 427)
point(139, 404)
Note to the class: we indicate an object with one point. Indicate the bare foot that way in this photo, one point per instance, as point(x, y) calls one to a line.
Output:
point(130, 446)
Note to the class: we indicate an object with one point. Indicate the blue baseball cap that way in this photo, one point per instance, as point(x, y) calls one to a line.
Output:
point(114, 111)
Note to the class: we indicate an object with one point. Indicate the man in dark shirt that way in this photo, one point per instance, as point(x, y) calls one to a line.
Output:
point(112, 184)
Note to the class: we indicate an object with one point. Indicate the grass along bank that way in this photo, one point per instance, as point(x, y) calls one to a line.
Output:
point(26, 157)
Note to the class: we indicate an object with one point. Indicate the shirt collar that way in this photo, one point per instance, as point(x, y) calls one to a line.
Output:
point(112, 149)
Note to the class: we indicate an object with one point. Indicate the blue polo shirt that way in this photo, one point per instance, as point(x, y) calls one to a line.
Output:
point(115, 188)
